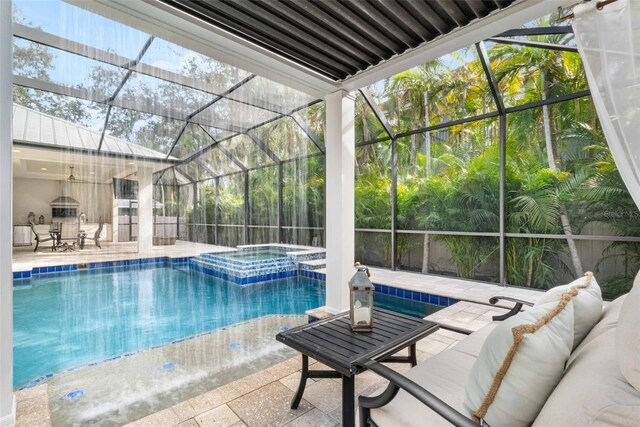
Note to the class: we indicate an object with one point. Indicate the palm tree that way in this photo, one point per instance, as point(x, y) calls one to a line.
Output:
point(543, 71)
point(407, 106)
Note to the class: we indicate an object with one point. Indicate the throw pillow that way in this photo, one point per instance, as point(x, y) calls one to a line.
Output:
point(587, 305)
point(520, 364)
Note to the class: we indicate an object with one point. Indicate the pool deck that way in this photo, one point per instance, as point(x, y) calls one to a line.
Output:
point(25, 259)
point(262, 398)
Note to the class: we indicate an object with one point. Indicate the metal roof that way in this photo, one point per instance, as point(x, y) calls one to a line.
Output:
point(339, 38)
point(34, 127)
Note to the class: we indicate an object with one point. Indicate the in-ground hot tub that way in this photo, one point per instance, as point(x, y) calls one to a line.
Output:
point(252, 264)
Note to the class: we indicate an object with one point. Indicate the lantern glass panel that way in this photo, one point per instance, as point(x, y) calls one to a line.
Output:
point(361, 303)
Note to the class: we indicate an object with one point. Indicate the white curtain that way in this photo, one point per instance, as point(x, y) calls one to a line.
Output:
point(609, 43)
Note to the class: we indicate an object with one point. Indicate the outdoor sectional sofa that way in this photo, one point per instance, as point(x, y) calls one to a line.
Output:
point(595, 380)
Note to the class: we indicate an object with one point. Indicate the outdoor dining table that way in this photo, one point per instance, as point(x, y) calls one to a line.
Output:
point(332, 342)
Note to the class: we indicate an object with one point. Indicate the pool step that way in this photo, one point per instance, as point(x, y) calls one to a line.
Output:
point(313, 264)
point(308, 255)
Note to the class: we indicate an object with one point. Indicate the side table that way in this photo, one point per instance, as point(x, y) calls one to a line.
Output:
point(332, 342)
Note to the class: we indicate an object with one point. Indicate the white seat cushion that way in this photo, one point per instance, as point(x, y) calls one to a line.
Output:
point(444, 375)
point(472, 345)
point(587, 305)
point(533, 372)
point(628, 336)
point(608, 321)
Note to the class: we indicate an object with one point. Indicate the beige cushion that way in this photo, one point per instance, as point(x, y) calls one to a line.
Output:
point(587, 305)
point(593, 391)
point(444, 375)
point(628, 336)
point(472, 344)
point(533, 373)
point(608, 321)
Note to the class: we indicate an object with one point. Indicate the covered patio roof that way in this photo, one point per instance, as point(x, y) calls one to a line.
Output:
point(339, 39)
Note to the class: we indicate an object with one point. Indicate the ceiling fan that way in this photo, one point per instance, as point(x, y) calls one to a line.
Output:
point(72, 177)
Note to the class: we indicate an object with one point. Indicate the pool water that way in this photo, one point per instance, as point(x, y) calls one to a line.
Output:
point(404, 306)
point(68, 320)
point(254, 255)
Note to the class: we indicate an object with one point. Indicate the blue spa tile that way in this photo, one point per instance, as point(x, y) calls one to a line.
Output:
point(443, 301)
point(415, 296)
point(73, 394)
point(169, 366)
point(433, 299)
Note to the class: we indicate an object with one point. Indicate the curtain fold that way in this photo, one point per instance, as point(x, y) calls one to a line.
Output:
point(609, 43)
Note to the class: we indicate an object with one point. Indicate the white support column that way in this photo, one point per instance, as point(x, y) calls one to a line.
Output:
point(115, 226)
point(7, 400)
point(145, 209)
point(339, 200)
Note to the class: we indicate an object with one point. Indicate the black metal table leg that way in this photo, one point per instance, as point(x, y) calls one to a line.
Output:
point(412, 355)
point(304, 374)
point(348, 398)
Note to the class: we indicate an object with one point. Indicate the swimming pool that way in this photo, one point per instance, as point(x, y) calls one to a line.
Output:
point(70, 319)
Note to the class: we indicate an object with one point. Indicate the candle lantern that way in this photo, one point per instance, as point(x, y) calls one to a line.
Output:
point(361, 296)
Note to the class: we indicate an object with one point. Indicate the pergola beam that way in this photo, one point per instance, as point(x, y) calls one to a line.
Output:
point(530, 43)
point(537, 31)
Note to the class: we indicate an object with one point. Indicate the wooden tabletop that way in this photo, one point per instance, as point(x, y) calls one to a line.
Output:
point(332, 342)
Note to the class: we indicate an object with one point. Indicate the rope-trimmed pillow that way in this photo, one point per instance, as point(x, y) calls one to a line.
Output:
point(521, 362)
point(587, 305)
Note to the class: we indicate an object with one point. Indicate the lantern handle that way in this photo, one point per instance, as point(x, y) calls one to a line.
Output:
point(361, 267)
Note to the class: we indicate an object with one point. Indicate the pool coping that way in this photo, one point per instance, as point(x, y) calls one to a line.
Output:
point(36, 271)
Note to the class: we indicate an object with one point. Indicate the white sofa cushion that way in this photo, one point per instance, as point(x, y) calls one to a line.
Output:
point(628, 336)
point(592, 391)
point(587, 305)
point(520, 364)
point(608, 321)
point(444, 375)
